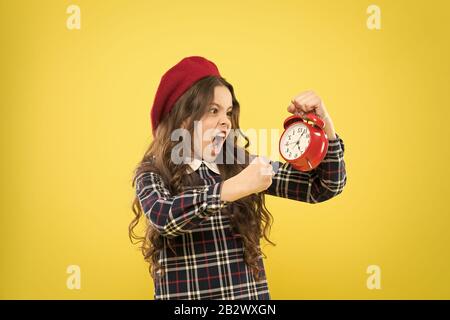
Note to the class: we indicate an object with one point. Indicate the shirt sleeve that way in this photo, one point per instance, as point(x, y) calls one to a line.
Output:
point(324, 182)
point(175, 215)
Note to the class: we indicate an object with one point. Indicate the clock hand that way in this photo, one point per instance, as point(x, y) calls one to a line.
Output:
point(301, 135)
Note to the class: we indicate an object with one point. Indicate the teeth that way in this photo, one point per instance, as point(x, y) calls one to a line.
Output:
point(219, 135)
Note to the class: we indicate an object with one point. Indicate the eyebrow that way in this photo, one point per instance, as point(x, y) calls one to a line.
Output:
point(218, 105)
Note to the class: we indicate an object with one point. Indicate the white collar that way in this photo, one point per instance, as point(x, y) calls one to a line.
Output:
point(196, 163)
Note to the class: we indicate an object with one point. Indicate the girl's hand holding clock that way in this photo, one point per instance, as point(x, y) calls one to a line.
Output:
point(308, 101)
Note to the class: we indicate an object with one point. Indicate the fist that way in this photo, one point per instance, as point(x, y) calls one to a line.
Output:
point(257, 176)
point(308, 101)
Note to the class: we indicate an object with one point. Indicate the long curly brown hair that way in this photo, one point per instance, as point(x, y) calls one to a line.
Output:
point(250, 218)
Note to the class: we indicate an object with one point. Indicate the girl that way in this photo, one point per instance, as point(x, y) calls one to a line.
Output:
point(204, 218)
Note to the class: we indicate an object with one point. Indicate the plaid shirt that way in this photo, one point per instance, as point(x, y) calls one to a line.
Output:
point(208, 262)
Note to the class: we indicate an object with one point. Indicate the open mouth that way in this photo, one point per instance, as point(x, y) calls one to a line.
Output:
point(217, 142)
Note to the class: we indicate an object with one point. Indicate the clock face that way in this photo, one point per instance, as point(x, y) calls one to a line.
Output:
point(294, 141)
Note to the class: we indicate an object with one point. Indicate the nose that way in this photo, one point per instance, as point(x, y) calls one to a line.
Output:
point(225, 122)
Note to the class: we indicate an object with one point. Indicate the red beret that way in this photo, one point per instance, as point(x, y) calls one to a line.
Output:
point(176, 81)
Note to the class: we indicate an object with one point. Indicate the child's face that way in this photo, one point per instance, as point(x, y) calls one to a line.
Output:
point(215, 125)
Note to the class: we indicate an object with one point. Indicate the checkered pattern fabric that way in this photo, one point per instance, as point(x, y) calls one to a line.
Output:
point(207, 260)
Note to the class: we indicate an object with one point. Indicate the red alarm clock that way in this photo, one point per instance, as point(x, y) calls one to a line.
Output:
point(304, 143)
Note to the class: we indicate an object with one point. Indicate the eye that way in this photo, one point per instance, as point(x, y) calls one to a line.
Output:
point(213, 110)
point(230, 113)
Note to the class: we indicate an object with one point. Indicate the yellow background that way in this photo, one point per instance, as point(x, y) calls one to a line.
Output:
point(75, 121)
